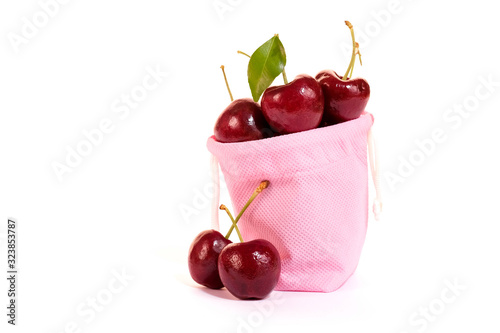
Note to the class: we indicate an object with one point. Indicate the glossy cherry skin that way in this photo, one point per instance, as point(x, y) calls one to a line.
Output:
point(344, 100)
point(294, 107)
point(250, 270)
point(241, 121)
point(203, 257)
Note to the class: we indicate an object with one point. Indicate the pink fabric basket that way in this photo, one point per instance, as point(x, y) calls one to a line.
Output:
point(315, 210)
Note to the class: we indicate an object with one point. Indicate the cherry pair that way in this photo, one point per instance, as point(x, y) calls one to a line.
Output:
point(248, 270)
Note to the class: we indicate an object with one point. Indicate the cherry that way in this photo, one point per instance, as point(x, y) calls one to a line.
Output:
point(294, 107)
point(345, 97)
point(206, 247)
point(241, 121)
point(250, 270)
point(203, 256)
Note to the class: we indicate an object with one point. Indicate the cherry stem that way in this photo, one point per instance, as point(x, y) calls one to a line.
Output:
point(284, 76)
point(227, 84)
point(359, 54)
point(223, 207)
point(354, 51)
point(259, 189)
point(360, 62)
point(241, 52)
point(350, 73)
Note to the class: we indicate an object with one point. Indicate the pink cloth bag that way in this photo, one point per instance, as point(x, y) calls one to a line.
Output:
point(315, 210)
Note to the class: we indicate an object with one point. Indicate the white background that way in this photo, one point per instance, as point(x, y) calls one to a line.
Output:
point(120, 208)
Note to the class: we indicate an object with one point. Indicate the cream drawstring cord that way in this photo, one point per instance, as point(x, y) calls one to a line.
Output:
point(214, 164)
point(374, 165)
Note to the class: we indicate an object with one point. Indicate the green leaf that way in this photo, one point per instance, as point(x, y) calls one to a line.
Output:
point(266, 63)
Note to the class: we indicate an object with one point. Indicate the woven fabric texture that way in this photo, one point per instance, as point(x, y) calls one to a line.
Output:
point(315, 210)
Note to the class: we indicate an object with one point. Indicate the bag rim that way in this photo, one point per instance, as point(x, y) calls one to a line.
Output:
point(333, 143)
point(296, 135)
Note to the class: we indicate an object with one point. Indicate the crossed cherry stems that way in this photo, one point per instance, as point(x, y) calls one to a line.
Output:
point(264, 184)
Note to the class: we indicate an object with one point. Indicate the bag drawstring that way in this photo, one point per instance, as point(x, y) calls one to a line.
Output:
point(214, 164)
point(374, 165)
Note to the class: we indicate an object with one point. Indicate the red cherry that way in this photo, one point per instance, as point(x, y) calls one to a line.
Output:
point(344, 99)
point(203, 256)
point(250, 270)
point(294, 107)
point(241, 121)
